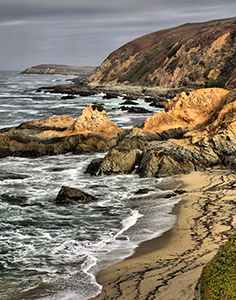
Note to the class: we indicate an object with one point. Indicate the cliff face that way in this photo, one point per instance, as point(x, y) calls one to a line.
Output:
point(201, 54)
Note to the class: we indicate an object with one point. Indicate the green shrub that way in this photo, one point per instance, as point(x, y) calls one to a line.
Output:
point(218, 278)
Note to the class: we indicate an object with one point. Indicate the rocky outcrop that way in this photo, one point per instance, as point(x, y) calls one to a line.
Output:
point(92, 131)
point(68, 195)
point(59, 69)
point(188, 111)
point(194, 55)
point(84, 89)
point(94, 119)
point(195, 131)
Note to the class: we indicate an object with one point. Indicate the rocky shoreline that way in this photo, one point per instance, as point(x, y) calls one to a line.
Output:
point(85, 88)
point(196, 130)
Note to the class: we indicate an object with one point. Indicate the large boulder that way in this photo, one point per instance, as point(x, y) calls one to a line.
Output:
point(68, 195)
point(57, 123)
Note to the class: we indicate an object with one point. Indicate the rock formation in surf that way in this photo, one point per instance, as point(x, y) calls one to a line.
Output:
point(196, 130)
point(92, 131)
point(69, 195)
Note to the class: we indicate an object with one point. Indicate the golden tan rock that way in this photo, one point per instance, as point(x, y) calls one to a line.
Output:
point(59, 123)
point(94, 119)
point(189, 111)
point(196, 130)
point(92, 131)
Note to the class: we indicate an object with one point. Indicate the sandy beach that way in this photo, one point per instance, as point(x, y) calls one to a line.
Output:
point(168, 267)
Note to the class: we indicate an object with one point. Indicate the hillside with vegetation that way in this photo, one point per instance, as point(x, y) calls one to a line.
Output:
point(190, 55)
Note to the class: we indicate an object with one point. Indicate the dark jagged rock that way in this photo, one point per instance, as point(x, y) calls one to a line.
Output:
point(138, 110)
point(117, 161)
point(9, 175)
point(131, 97)
point(68, 97)
point(13, 199)
point(180, 192)
point(156, 98)
point(124, 108)
point(158, 104)
point(129, 102)
point(86, 93)
point(140, 139)
point(165, 160)
point(93, 167)
point(142, 191)
point(68, 195)
point(110, 96)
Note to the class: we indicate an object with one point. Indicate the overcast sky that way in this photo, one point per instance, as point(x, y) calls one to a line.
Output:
point(84, 32)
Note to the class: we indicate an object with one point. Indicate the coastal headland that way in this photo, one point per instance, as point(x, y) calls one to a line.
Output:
point(59, 69)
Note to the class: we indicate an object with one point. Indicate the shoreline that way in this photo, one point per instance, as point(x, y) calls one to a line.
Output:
point(168, 267)
point(160, 242)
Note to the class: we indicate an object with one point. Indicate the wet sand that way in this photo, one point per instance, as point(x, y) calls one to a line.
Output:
point(168, 267)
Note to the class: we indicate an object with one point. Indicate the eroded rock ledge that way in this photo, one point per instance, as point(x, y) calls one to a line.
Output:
point(195, 130)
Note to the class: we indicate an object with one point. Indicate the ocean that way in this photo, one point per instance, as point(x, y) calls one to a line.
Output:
point(51, 252)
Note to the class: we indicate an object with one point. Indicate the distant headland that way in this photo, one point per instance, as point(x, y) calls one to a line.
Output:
point(59, 69)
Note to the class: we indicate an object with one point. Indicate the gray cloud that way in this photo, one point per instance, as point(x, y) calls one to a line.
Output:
point(84, 32)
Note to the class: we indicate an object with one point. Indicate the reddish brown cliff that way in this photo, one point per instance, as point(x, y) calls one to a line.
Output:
point(201, 54)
